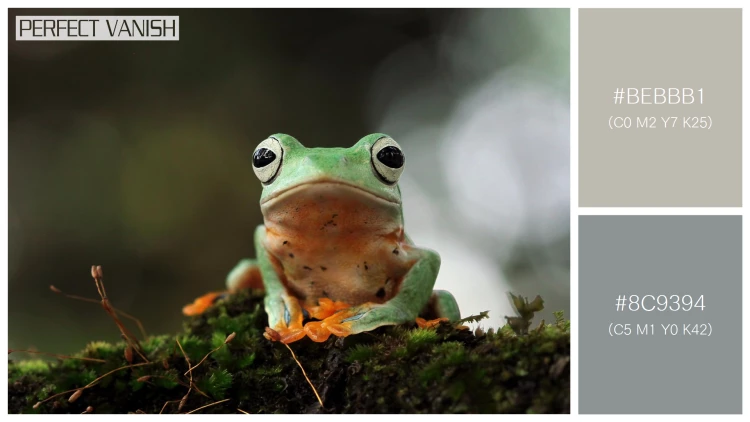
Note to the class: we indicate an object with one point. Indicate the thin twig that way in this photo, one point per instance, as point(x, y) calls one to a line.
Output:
point(55, 355)
point(92, 383)
point(90, 300)
point(305, 374)
point(165, 405)
point(208, 405)
point(189, 371)
point(190, 374)
point(98, 275)
point(242, 411)
point(147, 378)
point(135, 365)
point(195, 387)
point(227, 340)
point(184, 399)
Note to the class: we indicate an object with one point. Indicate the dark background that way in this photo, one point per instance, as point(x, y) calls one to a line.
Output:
point(136, 155)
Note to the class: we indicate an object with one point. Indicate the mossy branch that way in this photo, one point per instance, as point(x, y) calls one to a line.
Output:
point(400, 369)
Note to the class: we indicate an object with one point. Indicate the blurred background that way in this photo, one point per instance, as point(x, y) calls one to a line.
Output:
point(137, 155)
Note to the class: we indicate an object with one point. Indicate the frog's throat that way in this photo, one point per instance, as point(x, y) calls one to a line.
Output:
point(290, 191)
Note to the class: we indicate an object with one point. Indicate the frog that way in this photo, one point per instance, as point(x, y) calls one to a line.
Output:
point(332, 254)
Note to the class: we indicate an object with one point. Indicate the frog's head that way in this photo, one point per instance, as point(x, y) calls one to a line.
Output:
point(372, 166)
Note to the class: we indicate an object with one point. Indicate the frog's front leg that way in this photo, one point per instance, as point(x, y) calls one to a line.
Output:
point(285, 318)
point(412, 296)
point(285, 314)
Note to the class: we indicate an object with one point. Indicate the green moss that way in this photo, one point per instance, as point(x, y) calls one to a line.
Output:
point(100, 350)
point(360, 352)
point(30, 367)
point(390, 370)
point(216, 384)
point(419, 337)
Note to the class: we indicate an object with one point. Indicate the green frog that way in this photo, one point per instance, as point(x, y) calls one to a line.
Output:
point(332, 254)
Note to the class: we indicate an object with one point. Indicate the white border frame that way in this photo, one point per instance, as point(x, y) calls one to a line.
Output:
point(575, 211)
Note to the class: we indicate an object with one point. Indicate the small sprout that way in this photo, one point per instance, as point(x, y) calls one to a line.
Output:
point(519, 325)
point(89, 409)
point(55, 289)
point(76, 395)
point(37, 405)
point(144, 378)
point(96, 273)
point(474, 318)
point(229, 338)
point(129, 354)
point(526, 311)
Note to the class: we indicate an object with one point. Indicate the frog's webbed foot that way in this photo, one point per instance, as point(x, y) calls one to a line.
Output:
point(285, 319)
point(356, 319)
point(316, 331)
point(284, 335)
point(202, 303)
point(325, 309)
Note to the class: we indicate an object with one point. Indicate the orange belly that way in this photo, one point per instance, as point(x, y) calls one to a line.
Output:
point(332, 241)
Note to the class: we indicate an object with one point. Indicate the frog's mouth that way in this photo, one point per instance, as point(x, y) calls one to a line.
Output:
point(336, 186)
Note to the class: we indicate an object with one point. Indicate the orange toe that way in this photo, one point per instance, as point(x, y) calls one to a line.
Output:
point(423, 323)
point(292, 335)
point(326, 307)
point(316, 331)
point(201, 304)
point(272, 334)
point(339, 330)
point(284, 335)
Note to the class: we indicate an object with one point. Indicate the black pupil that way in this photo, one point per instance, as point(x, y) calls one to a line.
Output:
point(263, 157)
point(391, 157)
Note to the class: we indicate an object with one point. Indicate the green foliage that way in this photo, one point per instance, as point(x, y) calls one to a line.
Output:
point(31, 367)
point(400, 369)
point(100, 350)
point(217, 383)
point(526, 311)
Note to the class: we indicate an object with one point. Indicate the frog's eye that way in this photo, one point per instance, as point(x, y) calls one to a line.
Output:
point(267, 159)
point(387, 159)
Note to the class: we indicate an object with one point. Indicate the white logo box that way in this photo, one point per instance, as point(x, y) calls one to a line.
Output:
point(97, 28)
